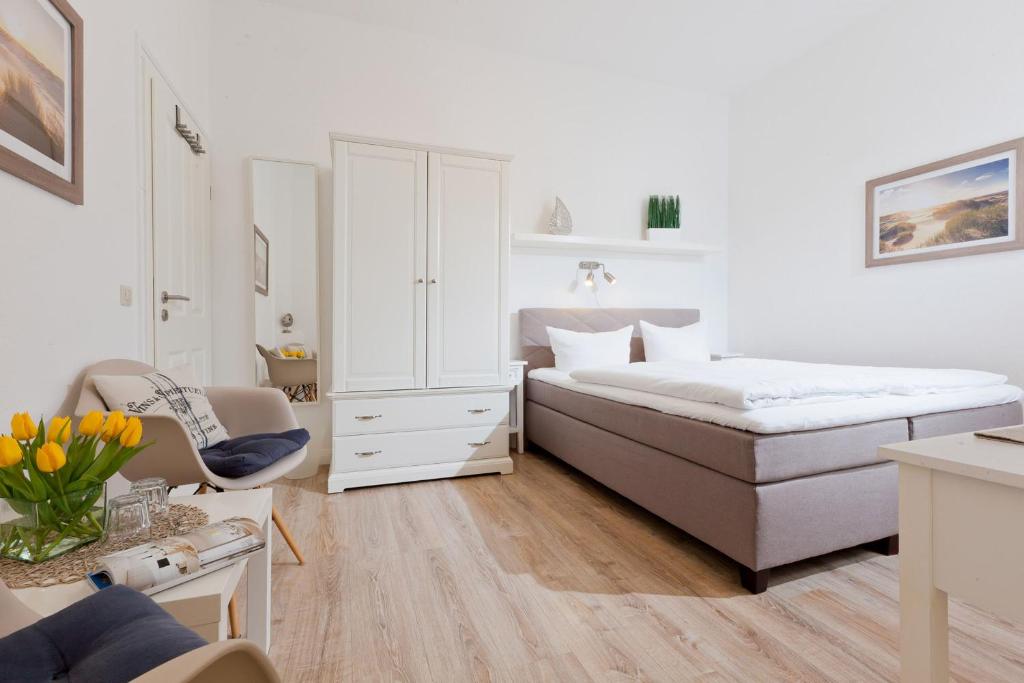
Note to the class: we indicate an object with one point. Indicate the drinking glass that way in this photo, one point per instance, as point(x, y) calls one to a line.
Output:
point(154, 490)
point(127, 516)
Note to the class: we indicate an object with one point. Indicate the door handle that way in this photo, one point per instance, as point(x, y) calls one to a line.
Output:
point(165, 297)
point(478, 443)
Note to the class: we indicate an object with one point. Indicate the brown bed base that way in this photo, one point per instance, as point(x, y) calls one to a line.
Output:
point(763, 500)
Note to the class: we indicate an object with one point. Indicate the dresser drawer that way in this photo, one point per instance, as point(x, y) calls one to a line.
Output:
point(402, 449)
point(409, 413)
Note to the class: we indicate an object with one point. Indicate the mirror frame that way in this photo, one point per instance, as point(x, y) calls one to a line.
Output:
point(251, 261)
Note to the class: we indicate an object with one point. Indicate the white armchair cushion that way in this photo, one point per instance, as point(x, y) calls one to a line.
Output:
point(172, 392)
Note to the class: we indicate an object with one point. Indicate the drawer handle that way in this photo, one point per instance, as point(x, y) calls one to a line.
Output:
point(478, 443)
point(364, 418)
point(367, 454)
point(477, 411)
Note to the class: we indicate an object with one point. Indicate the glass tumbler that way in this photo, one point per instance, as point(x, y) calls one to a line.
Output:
point(127, 516)
point(154, 490)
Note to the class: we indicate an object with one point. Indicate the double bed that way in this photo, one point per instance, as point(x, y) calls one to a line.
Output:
point(765, 486)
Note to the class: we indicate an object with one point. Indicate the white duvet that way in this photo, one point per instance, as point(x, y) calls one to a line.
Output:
point(750, 383)
point(793, 418)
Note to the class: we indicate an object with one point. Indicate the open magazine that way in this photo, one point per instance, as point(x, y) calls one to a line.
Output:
point(159, 565)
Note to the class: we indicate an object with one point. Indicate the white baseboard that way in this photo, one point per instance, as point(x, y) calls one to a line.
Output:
point(338, 482)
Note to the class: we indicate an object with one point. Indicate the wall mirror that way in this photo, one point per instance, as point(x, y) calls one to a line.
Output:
point(285, 282)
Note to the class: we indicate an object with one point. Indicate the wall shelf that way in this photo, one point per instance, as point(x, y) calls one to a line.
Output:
point(582, 244)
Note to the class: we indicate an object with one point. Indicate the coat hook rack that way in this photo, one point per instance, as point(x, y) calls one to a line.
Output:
point(186, 133)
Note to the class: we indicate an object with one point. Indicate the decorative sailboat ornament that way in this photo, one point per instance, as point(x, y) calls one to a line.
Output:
point(561, 219)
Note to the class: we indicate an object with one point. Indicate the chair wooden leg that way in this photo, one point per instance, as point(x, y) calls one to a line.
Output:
point(283, 528)
point(202, 489)
point(233, 619)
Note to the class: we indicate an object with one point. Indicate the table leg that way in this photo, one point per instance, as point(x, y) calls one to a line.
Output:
point(924, 622)
point(257, 596)
point(520, 418)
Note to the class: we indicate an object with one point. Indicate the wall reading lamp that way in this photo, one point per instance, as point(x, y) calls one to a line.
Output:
point(590, 267)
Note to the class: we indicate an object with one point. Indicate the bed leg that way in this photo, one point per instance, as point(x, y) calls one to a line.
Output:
point(890, 545)
point(754, 581)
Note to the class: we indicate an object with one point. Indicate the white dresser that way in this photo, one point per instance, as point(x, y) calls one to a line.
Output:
point(420, 374)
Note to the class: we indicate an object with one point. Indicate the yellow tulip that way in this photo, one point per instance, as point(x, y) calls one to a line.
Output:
point(10, 451)
point(60, 430)
point(132, 434)
point(114, 426)
point(91, 424)
point(22, 427)
point(50, 457)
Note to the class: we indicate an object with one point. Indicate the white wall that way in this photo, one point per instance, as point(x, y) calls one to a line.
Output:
point(62, 265)
point(284, 79)
point(919, 83)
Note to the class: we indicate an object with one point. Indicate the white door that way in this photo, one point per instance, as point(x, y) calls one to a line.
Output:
point(467, 328)
point(380, 233)
point(179, 193)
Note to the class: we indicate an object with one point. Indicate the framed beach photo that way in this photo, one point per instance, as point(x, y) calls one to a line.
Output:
point(41, 95)
point(261, 259)
point(968, 204)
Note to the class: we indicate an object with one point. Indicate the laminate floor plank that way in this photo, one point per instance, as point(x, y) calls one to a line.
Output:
point(545, 575)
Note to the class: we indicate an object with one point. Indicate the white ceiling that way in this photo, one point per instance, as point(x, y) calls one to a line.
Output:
point(716, 45)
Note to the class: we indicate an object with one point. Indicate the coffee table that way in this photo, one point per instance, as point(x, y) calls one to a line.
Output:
point(201, 604)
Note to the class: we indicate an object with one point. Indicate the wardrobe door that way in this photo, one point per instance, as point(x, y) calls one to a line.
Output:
point(380, 215)
point(467, 328)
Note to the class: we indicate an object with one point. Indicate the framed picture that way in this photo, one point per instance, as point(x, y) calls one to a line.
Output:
point(41, 85)
point(261, 257)
point(968, 204)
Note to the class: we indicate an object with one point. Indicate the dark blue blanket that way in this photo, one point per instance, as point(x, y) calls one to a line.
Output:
point(245, 455)
point(115, 635)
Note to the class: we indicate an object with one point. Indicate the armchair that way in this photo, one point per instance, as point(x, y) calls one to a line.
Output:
point(242, 411)
point(236, 661)
point(297, 377)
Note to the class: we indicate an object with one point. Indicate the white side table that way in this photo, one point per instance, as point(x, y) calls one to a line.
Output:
point(201, 604)
point(516, 418)
point(961, 506)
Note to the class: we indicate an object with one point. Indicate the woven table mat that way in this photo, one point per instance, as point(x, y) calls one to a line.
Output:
point(74, 565)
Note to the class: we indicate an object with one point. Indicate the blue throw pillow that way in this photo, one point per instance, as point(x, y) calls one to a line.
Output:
point(245, 455)
point(115, 635)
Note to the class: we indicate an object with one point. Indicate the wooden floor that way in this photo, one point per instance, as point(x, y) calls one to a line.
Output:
point(544, 575)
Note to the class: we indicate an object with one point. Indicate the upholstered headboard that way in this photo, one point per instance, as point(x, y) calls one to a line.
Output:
point(534, 321)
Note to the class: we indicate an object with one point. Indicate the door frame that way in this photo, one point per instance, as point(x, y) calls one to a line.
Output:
point(147, 65)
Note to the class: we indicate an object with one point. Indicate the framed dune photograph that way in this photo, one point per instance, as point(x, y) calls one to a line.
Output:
point(41, 95)
point(965, 205)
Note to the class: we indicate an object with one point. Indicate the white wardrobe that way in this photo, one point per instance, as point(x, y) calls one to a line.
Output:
point(420, 370)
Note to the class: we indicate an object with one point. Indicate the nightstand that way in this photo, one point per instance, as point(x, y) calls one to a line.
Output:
point(516, 419)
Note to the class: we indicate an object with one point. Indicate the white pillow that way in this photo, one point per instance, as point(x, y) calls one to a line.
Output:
point(675, 343)
point(173, 392)
point(575, 350)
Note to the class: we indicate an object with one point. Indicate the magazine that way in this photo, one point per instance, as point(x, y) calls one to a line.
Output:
point(158, 565)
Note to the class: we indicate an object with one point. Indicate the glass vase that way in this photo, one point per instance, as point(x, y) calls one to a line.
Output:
point(36, 532)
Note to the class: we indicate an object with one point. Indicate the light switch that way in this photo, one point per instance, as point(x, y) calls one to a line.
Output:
point(126, 295)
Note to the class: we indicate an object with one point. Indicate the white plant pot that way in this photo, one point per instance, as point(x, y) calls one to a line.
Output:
point(663, 234)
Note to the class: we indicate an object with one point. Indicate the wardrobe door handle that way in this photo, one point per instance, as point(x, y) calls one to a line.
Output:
point(419, 281)
point(367, 454)
point(477, 411)
point(365, 418)
point(478, 443)
point(433, 280)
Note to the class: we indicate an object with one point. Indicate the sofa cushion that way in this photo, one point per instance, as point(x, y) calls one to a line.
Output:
point(245, 455)
point(115, 635)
